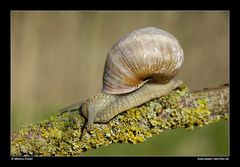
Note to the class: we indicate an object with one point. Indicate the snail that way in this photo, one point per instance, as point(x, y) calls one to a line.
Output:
point(139, 67)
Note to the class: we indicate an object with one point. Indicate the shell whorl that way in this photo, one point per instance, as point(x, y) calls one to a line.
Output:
point(142, 55)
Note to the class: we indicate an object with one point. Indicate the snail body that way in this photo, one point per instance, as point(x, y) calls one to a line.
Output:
point(139, 67)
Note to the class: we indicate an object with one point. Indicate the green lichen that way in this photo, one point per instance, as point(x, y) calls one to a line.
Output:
point(60, 134)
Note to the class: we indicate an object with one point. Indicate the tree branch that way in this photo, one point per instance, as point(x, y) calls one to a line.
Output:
point(60, 134)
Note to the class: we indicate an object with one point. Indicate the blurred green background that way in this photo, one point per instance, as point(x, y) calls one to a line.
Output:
point(57, 58)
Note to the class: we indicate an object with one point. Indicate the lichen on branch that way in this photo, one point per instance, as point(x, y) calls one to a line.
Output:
point(60, 134)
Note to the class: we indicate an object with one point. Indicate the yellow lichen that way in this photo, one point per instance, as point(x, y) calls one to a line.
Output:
point(60, 134)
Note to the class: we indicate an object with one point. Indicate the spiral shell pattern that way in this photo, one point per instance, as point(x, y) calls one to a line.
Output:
point(147, 54)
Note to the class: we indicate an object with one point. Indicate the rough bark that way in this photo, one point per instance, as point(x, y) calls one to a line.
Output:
point(59, 135)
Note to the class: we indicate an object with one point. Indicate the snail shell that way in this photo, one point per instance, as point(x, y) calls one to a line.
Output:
point(147, 54)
